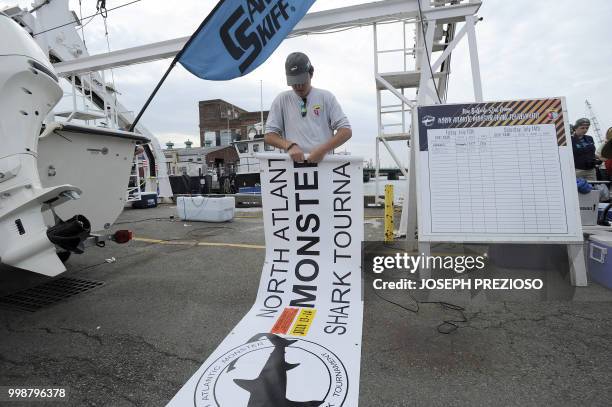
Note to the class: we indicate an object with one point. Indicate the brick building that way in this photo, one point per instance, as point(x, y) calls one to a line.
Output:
point(217, 116)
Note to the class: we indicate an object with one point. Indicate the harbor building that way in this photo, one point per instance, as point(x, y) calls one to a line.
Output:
point(222, 123)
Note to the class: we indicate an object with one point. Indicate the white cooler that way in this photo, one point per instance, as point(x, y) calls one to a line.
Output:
point(205, 209)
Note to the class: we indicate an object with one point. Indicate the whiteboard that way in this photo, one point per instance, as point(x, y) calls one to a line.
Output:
point(496, 172)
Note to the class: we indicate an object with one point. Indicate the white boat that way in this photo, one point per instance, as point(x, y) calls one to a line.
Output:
point(247, 169)
point(59, 182)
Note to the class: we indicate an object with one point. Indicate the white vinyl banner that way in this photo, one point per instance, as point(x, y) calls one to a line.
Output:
point(300, 344)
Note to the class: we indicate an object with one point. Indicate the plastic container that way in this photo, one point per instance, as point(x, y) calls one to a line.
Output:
point(599, 259)
point(589, 207)
point(147, 200)
point(602, 208)
point(205, 209)
point(250, 190)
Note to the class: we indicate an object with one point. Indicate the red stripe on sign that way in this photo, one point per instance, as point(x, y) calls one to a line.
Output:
point(284, 322)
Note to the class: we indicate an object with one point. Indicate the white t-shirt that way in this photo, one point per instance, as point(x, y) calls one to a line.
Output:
point(323, 116)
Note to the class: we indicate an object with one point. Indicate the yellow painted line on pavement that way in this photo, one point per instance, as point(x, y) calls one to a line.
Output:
point(193, 243)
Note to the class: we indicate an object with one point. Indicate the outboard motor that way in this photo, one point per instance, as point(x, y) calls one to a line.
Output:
point(29, 89)
point(70, 235)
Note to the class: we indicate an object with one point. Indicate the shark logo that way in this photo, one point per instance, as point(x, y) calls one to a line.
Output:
point(428, 120)
point(273, 371)
point(270, 387)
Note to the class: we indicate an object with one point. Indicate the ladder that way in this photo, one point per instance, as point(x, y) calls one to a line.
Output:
point(401, 84)
point(134, 192)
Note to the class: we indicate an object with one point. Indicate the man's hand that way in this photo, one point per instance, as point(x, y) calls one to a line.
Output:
point(296, 153)
point(317, 155)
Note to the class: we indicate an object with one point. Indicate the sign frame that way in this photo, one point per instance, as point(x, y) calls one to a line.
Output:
point(567, 174)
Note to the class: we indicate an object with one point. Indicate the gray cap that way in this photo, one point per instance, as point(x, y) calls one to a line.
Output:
point(297, 68)
point(582, 122)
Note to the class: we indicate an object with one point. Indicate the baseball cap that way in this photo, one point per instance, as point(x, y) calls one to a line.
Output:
point(582, 122)
point(297, 68)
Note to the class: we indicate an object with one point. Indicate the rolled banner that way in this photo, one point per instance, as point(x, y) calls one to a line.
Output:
point(300, 343)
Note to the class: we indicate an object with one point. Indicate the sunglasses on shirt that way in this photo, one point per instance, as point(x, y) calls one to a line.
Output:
point(303, 109)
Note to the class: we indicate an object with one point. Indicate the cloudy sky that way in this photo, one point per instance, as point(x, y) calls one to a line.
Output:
point(527, 49)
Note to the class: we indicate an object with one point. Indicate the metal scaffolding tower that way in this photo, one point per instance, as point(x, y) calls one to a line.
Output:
point(594, 122)
point(405, 79)
point(421, 79)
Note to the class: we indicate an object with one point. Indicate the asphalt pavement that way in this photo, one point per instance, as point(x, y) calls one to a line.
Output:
point(170, 297)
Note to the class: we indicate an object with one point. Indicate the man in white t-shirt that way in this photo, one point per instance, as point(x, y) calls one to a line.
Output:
point(304, 119)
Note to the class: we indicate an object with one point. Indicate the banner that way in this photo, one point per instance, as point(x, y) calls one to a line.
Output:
point(300, 344)
point(239, 35)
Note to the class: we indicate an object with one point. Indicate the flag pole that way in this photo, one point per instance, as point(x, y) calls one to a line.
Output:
point(142, 110)
point(261, 104)
point(173, 64)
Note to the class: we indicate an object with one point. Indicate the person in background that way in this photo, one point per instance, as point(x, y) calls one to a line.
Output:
point(583, 147)
point(607, 160)
point(304, 119)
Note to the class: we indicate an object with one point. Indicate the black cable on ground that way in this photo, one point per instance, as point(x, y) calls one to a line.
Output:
point(161, 241)
point(189, 233)
point(196, 231)
point(447, 326)
point(145, 220)
point(147, 244)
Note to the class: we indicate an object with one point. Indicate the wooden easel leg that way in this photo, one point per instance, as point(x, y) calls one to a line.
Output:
point(409, 210)
point(575, 253)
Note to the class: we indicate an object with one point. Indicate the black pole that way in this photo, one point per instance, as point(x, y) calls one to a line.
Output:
point(135, 122)
point(174, 61)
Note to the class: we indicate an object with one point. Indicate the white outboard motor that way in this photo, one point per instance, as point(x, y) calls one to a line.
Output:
point(29, 89)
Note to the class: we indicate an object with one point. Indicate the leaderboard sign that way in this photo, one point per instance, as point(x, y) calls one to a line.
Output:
point(496, 171)
point(300, 344)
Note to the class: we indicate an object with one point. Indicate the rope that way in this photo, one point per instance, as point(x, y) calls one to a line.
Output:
point(101, 8)
point(82, 26)
point(91, 16)
point(433, 79)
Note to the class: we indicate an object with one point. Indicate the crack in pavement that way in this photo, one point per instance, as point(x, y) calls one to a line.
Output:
point(131, 338)
point(500, 322)
point(12, 362)
point(140, 339)
point(88, 367)
point(97, 338)
point(123, 396)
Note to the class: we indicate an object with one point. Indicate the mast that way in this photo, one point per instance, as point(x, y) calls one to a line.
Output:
point(261, 105)
point(595, 122)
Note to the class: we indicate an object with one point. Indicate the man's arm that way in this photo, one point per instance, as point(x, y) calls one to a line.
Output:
point(275, 139)
point(294, 150)
point(342, 135)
